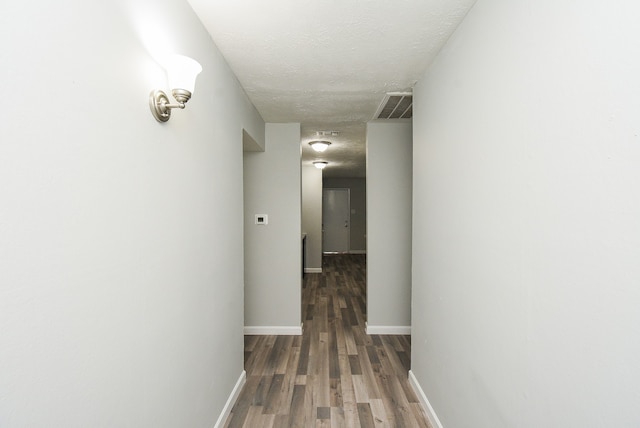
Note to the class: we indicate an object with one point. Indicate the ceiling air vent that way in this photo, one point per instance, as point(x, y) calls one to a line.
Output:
point(396, 105)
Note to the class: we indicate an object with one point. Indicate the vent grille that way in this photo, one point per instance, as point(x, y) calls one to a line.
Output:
point(396, 106)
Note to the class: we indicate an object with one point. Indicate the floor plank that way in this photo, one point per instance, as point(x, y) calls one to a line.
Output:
point(334, 375)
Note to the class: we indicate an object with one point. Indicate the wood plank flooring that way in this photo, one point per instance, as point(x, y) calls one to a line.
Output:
point(334, 375)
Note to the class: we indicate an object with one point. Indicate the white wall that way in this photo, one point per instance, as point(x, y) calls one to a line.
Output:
point(389, 226)
point(121, 259)
point(312, 216)
point(526, 218)
point(273, 256)
point(358, 203)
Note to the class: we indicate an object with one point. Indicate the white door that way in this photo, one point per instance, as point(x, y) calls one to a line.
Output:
point(335, 220)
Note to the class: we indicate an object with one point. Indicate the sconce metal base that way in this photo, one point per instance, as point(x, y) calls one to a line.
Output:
point(159, 104)
point(181, 95)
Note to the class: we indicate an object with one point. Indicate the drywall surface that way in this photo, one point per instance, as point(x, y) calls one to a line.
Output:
point(121, 257)
point(389, 177)
point(358, 193)
point(526, 206)
point(273, 256)
point(326, 62)
point(312, 216)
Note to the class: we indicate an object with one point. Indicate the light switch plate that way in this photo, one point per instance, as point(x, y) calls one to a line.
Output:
point(262, 219)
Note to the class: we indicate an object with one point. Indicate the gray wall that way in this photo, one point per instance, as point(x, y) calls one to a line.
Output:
point(121, 258)
point(526, 218)
point(358, 194)
point(389, 167)
point(273, 257)
point(312, 216)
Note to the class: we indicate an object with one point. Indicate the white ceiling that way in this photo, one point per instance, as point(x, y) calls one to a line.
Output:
point(328, 63)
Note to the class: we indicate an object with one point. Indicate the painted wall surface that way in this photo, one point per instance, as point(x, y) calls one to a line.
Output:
point(358, 193)
point(273, 256)
point(312, 216)
point(121, 257)
point(389, 165)
point(526, 241)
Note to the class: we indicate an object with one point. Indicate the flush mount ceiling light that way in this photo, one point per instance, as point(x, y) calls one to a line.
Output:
point(319, 145)
point(181, 72)
point(320, 164)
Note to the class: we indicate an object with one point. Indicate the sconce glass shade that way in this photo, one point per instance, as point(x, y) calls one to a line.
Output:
point(320, 164)
point(182, 72)
point(320, 146)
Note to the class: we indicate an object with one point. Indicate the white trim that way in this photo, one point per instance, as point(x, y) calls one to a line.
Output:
point(313, 270)
point(387, 329)
point(357, 251)
point(431, 414)
point(278, 330)
point(226, 411)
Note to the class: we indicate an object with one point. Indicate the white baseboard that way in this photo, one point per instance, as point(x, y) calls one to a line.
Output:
point(273, 330)
point(313, 270)
point(331, 253)
point(388, 329)
point(431, 414)
point(231, 400)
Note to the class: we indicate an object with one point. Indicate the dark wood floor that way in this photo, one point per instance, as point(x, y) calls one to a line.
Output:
point(334, 375)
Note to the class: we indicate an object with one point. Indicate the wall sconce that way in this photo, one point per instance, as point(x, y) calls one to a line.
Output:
point(181, 72)
point(320, 164)
point(319, 146)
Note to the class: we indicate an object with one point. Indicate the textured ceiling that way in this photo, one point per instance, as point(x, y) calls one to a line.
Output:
point(327, 63)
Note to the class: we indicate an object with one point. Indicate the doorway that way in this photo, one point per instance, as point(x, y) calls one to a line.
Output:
point(336, 220)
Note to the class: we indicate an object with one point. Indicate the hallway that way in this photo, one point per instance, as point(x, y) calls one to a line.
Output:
point(334, 375)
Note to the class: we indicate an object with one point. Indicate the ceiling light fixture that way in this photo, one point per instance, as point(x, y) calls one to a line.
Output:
point(181, 72)
point(319, 145)
point(320, 164)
